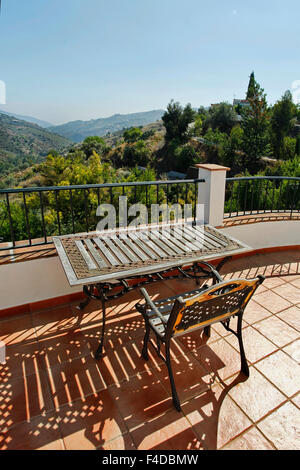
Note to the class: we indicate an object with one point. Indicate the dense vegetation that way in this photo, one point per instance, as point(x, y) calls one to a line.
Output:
point(68, 211)
point(249, 139)
point(252, 139)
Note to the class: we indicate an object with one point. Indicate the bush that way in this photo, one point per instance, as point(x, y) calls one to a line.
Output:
point(132, 135)
point(185, 157)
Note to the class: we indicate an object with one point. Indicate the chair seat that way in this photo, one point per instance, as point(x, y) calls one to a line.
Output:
point(165, 307)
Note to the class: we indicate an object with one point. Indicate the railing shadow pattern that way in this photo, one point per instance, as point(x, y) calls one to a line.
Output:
point(53, 394)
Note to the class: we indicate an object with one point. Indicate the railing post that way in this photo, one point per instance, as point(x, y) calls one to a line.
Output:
point(211, 195)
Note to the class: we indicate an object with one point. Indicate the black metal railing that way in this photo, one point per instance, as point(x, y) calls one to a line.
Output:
point(31, 216)
point(261, 195)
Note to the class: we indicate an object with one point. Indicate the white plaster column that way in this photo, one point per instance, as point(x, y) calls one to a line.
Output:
point(211, 194)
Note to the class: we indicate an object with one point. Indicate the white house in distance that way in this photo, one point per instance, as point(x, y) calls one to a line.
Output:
point(242, 103)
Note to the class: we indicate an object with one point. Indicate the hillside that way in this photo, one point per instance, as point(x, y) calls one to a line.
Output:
point(26, 175)
point(31, 119)
point(23, 143)
point(76, 131)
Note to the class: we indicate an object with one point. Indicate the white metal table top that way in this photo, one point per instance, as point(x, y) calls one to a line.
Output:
point(96, 257)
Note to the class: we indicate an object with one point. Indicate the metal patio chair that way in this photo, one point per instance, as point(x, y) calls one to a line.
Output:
point(200, 308)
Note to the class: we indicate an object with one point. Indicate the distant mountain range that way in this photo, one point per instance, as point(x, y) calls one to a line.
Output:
point(23, 142)
point(76, 131)
point(39, 122)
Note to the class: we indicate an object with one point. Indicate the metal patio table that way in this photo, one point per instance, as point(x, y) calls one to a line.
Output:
point(110, 263)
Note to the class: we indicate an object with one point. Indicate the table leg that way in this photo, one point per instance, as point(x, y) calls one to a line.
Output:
point(83, 304)
point(99, 351)
point(87, 290)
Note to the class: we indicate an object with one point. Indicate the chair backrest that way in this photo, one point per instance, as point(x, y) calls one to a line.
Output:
point(214, 304)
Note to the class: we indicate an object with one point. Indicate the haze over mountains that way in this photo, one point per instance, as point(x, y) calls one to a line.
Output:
point(24, 142)
point(76, 131)
point(34, 120)
point(22, 135)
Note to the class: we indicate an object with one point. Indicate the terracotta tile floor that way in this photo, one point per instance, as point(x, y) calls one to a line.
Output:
point(54, 395)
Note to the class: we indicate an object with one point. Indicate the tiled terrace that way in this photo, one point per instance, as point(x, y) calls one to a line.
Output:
point(54, 395)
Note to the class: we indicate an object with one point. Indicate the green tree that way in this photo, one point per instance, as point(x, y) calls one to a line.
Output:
point(185, 156)
point(176, 120)
point(202, 112)
point(215, 137)
point(223, 117)
point(147, 134)
point(53, 168)
point(136, 154)
point(231, 154)
point(198, 125)
point(283, 113)
point(132, 135)
point(93, 144)
point(255, 125)
point(252, 87)
point(289, 147)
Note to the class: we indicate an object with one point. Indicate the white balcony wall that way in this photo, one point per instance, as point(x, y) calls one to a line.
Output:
point(31, 281)
point(267, 234)
point(41, 279)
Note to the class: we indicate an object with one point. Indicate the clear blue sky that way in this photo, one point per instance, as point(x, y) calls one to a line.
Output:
point(63, 60)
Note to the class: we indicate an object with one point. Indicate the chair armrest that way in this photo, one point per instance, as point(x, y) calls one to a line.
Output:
point(152, 305)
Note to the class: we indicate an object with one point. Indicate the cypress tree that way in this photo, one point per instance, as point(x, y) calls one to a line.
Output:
point(255, 127)
point(251, 92)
